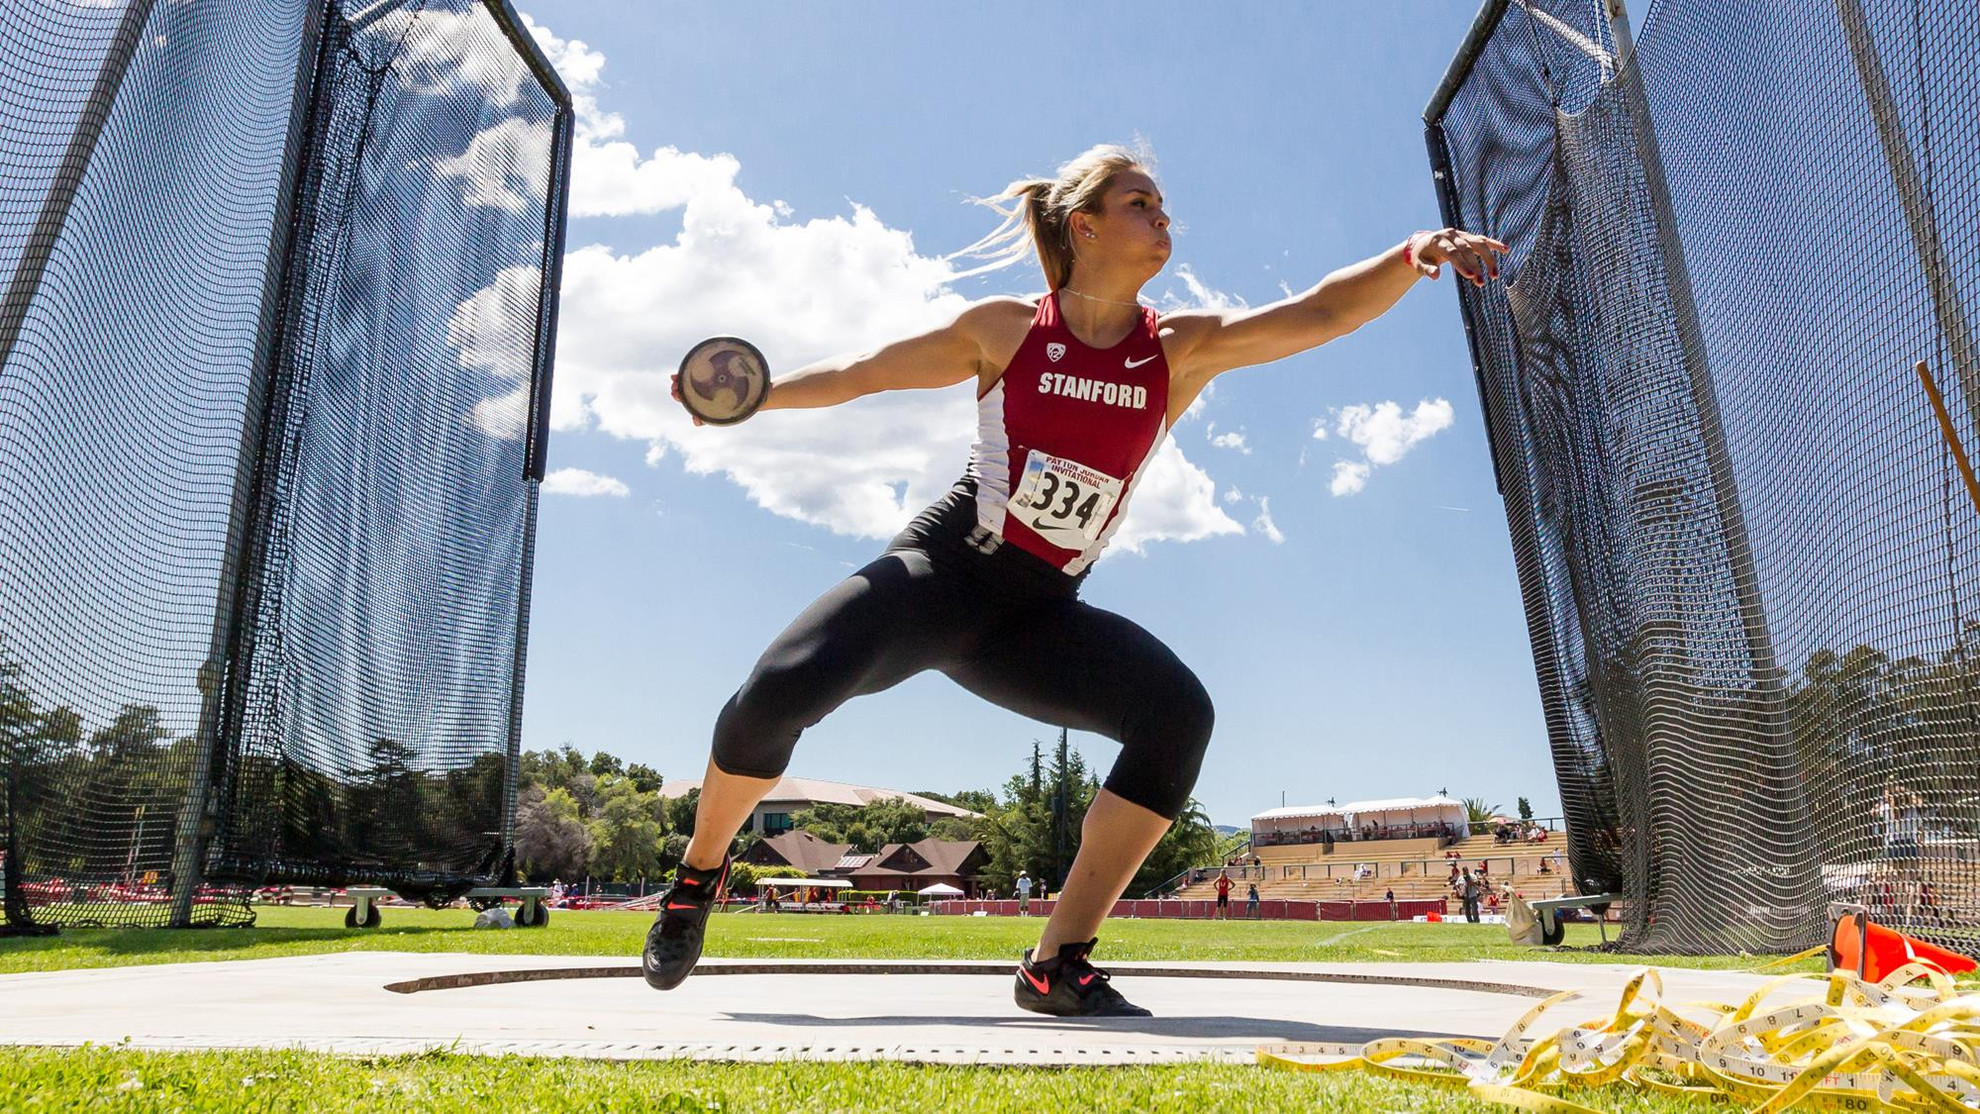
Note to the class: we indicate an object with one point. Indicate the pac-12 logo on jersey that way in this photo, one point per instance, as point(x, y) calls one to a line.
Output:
point(1055, 351)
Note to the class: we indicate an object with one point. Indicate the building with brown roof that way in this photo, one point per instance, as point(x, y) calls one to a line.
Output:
point(908, 867)
point(911, 867)
point(798, 849)
point(792, 795)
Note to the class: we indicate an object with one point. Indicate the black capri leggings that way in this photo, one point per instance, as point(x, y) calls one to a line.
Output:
point(1004, 625)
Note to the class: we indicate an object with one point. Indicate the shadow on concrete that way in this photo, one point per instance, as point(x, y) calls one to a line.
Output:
point(1193, 1027)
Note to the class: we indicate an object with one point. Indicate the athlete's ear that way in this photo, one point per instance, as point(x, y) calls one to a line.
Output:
point(1081, 225)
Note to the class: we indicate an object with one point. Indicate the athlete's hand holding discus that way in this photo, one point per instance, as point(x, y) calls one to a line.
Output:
point(1075, 390)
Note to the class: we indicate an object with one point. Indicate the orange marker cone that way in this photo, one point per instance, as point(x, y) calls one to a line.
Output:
point(1885, 950)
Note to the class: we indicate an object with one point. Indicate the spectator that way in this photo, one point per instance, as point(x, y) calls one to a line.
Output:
point(1024, 894)
point(1928, 905)
point(1251, 902)
point(1543, 867)
point(1492, 901)
point(1469, 888)
point(1391, 895)
point(1223, 911)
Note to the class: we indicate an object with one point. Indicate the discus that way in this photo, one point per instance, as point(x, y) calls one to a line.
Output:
point(724, 380)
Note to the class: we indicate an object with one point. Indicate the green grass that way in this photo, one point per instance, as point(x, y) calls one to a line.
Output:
point(309, 931)
point(125, 1079)
point(120, 1079)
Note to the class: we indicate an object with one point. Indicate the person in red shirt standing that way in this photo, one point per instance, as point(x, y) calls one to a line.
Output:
point(1223, 896)
point(1075, 390)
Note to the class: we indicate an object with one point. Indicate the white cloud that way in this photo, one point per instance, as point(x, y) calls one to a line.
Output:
point(442, 48)
point(801, 290)
point(1201, 296)
point(505, 166)
point(578, 482)
point(482, 332)
point(1233, 495)
point(1384, 434)
point(1198, 404)
point(1264, 524)
point(1230, 440)
point(1175, 501)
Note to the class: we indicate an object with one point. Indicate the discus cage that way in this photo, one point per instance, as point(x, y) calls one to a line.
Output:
point(275, 354)
point(1748, 562)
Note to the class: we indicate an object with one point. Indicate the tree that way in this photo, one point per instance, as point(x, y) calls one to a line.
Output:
point(645, 777)
point(1190, 841)
point(953, 827)
point(552, 769)
point(1525, 809)
point(551, 838)
point(867, 828)
point(975, 800)
point(627, 831)
point(606, 765)
point(672, 850)
point(680, 811)
point(1037, 826)
point(1478, 812)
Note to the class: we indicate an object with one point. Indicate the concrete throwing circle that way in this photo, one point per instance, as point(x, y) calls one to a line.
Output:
point(928, 1012)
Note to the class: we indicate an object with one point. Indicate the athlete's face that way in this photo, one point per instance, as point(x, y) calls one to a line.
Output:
point(1132, 227)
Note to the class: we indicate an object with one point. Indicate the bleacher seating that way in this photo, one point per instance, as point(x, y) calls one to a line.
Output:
point(1414, 869)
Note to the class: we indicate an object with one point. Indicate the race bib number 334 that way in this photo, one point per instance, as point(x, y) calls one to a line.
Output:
point(1063, 501)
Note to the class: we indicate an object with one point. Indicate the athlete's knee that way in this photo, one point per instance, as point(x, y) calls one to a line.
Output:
point(1162, 747)
point(759, 727)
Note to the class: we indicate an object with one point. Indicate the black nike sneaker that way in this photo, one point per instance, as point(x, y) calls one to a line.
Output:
point(1067, 985)
point(673, 944)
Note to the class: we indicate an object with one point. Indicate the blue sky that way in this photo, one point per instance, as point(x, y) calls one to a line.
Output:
point(795, 173)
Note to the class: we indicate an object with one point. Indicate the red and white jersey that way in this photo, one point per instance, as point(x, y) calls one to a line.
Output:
point(1065, 435)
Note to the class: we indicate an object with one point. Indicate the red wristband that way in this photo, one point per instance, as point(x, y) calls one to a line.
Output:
point(1407, 261)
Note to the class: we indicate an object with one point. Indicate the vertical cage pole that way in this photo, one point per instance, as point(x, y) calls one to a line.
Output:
point(537, 435)
point(220, 682)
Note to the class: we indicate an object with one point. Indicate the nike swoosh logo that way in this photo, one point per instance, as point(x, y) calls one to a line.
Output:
point(1138, 363)
point(1042, 986)
point(1084, 979)
point(672, 906)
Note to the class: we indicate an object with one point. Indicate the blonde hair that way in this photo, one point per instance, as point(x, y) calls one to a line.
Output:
point(1038, 212)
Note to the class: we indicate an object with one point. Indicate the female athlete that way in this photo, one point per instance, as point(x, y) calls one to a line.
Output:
point(1075, 391)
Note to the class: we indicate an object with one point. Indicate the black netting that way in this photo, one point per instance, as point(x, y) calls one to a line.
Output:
point(1747, 558)
point(276, 339)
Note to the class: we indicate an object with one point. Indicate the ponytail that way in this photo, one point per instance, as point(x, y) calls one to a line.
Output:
point(1038, 212)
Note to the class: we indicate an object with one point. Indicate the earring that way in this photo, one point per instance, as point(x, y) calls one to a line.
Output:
point(1089, 236)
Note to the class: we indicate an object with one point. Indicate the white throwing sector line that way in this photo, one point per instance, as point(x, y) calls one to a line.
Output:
point(1345, 935)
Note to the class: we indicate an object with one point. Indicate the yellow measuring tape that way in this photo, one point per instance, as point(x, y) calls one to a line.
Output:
point(1848, 1045)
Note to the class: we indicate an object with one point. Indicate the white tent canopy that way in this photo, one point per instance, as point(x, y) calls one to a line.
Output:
point(825, 883)
point(1394, 810)
point(940, 889)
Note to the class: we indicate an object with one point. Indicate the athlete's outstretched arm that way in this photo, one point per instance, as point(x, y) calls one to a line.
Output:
point(1211, 343)
point(940, 357)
